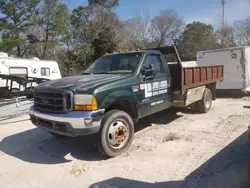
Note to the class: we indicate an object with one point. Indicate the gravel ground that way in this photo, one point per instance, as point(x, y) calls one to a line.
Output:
point(171, 149)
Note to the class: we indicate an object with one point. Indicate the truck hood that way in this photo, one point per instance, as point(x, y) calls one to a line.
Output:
point(82, 82)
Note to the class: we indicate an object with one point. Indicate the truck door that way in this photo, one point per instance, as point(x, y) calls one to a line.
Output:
point(154, 87)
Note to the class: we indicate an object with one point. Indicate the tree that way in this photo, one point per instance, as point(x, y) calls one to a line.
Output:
point(104, 43)
point(87, 22)
point(93, 32)
point(196, 36)
point(51, 25)
point(166, 27)
point(73, 61)
point(224, 33)
point(15, 19)
point(242, 31)
point(225, 36)
point(105, 27)
point(108, 4)
point(134, 32)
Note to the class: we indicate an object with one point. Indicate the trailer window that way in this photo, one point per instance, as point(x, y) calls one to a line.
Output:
point(18, 71)
point(45, 71)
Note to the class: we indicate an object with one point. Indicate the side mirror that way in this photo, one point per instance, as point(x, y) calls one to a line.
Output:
point(143, 71)
point(148, 73)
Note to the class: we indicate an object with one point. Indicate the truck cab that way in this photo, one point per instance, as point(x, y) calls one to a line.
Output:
point(140, 80)
point(114, 93)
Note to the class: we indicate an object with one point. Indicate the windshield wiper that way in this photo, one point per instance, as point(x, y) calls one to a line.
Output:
point(111, 72)
point(90, 73)
point(100, 73)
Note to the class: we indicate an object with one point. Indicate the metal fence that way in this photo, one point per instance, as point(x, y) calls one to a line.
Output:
point(14, 109)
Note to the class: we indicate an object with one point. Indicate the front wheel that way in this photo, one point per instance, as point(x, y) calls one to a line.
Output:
point(116, 134)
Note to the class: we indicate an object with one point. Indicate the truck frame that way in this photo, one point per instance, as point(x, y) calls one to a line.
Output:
point(119, 89)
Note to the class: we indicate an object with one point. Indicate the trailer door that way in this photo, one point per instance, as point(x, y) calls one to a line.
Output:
point(246, 62)
point(233, 66)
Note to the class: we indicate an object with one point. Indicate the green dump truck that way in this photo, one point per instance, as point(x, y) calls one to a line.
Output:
point(119, 89)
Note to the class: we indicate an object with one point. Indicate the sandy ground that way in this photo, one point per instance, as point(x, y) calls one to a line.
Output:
point(171, 149)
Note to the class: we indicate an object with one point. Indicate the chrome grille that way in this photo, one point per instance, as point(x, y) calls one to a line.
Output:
point(53, 100)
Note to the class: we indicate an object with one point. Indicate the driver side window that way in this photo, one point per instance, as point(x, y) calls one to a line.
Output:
point(155, 61)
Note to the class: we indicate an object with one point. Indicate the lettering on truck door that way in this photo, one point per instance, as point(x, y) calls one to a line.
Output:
point(154, 89)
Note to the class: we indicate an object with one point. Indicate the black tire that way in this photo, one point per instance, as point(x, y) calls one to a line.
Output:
point(206, 102)
point(194, 107)
point(105, 137)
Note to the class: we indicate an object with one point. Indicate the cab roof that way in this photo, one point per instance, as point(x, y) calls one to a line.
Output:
point(163, 50)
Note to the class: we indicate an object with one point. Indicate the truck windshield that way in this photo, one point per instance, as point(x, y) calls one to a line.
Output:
point(115, 64)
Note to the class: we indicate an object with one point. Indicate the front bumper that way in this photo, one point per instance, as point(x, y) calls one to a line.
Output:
point(72, 124)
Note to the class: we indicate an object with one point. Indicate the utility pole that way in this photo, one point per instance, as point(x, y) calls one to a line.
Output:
point(223, 12)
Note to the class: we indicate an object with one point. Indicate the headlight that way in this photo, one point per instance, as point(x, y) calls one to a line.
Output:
point(84, 102)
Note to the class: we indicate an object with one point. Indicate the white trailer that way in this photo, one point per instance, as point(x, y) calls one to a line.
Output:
point(236, 66)
point(32, 68)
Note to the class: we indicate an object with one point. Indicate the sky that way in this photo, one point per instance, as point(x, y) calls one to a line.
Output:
point(208, 11)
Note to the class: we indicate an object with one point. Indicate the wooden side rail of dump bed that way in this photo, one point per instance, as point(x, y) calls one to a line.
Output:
point(197, 76)
point(187, 78)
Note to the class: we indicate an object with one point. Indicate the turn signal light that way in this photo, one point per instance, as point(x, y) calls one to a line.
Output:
point(90, 107)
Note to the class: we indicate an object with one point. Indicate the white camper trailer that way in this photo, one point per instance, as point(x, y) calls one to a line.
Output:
point(32, 68)
point(236, 66)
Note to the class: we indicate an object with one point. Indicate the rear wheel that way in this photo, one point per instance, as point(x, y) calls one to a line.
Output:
point(195, 107)
point(206, 102)
point(116, 134)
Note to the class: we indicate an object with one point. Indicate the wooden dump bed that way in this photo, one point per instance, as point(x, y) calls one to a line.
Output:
point(197, 76)
point(186, 78)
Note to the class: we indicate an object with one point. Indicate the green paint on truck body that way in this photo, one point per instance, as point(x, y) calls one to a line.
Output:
point(124, 84)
